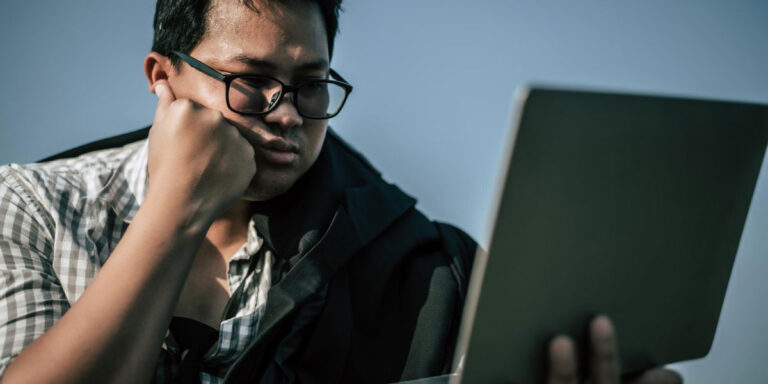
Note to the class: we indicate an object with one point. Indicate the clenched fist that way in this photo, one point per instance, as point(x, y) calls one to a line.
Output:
point(198, 162)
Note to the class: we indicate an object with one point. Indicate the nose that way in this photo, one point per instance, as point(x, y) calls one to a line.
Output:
point(285, 114)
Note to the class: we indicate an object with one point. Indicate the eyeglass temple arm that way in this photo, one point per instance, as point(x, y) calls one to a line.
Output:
point(194, 63)
point(336, 75)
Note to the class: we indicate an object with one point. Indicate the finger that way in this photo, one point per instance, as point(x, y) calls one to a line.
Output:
point(657, 376)
point(165, 97)
point(562, 361)
point(604, 359)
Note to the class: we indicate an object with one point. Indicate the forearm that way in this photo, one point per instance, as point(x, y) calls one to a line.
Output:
point(114, 331)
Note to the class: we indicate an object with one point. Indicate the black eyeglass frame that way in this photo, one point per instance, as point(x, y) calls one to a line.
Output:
point(284, 88)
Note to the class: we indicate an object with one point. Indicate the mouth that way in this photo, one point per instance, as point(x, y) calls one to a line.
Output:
point(278, 151)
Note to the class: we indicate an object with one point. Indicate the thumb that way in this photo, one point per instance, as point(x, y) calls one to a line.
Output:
point(165, 97)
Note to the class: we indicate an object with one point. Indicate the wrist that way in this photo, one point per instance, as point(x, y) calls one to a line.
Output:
point(186, 216)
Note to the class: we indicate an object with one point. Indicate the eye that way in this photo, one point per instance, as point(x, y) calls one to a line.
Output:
point(259, 82)
point(274, 98)
point(316, 86)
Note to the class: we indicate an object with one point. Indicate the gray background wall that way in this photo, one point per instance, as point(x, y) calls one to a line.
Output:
point(434, 81)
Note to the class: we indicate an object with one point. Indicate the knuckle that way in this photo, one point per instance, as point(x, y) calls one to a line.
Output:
point(180, 108)
point(183, 104)
point(214, 115)
point(214, 119)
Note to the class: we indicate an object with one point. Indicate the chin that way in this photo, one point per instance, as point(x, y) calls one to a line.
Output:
point(268, 185)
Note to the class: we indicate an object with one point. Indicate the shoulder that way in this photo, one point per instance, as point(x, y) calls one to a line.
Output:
point(350, 168)
point(415, 240)
point(460, 248)
point(454, 247)
point(45, 189)
point(349, 152)
point(412, 232)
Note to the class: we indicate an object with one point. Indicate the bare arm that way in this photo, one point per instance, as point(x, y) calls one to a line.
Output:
point(198, 165)
point(114, 331)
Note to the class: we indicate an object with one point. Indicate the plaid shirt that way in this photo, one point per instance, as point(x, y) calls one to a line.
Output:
point(60, 221)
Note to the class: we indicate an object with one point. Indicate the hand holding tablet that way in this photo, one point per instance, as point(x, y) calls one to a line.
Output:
point(603, 364)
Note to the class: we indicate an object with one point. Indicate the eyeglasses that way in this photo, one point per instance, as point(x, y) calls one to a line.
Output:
point(254, 95)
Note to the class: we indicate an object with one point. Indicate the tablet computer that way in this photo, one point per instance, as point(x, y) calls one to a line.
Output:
point(625, 205)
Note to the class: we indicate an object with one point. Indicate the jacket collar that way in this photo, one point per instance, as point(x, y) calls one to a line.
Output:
point(371, 203)
point(373, 208)
point(364, 215)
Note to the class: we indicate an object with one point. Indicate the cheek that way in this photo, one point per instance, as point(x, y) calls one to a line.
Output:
point(213, 97)
point(315, 137)
point(207, 92)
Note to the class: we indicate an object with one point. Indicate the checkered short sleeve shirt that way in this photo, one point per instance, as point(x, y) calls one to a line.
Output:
point(60, 221)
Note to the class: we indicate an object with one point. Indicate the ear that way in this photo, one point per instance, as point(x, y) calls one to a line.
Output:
point(157, 68)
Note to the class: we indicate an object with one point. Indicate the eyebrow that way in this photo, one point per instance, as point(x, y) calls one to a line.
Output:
point(318, 65)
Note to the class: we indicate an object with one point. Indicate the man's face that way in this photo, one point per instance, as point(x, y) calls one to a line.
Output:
point(285, 42)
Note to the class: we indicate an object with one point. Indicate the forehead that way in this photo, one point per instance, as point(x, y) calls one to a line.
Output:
point(283, 32)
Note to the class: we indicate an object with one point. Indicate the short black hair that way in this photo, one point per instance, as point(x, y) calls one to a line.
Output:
point(180, 24)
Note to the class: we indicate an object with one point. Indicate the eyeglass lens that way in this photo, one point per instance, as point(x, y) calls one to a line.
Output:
point(256, 94)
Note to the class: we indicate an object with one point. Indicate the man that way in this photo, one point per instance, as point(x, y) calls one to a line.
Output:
point(242, 241)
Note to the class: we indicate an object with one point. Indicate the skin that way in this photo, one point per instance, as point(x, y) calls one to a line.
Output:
point(604, 364)
point(206, 164)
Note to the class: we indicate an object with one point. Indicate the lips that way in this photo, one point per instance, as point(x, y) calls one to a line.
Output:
point(281, 146)
point(278, 152)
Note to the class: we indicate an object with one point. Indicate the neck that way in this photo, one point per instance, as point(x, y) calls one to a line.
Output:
point(231, 228)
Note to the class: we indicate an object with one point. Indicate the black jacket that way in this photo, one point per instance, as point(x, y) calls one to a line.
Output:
point(376, 299)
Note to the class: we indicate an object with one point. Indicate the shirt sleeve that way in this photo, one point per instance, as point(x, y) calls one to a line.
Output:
point(31, 296)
